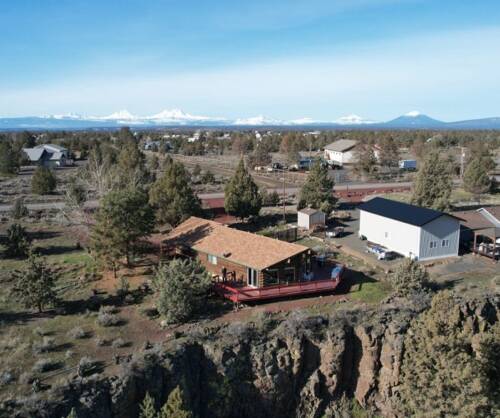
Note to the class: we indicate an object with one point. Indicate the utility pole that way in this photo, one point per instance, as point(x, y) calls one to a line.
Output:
point(284, 197)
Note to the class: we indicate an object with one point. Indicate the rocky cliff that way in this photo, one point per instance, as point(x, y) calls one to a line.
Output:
point(296, 366)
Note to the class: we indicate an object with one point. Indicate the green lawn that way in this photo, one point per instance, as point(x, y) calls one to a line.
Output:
point(370, 292)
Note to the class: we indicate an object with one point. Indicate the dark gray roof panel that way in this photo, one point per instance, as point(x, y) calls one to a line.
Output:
point(402, 212)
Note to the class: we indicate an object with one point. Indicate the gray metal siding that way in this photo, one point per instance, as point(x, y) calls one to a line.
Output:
point(442, 228)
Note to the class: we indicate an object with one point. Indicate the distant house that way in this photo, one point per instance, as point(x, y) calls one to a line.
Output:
point(309, 218)
point(412, 231)
point(48, 155)
point(340, 152)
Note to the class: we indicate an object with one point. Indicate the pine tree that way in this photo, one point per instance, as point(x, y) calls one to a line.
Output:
point(172, 197)
point(34, 286)
point(259, 157)
point(476, 178)
point(433, 185)
point(124, 217)
point(44, 181)
point(366, 162)
point(147, 409)
point(242, 196)
point(131, 166)
point(175, 406)
point(317, 191)
point(17, 243)
point(9, 161)
point(389, 153)
point(182, 287)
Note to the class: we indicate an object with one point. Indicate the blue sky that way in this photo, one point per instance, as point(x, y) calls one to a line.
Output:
point(282, 58)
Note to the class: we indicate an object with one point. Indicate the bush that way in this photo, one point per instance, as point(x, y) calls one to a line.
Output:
point(409, 278)
point(6, 378)
point(26, 378)
point(19, 210)
point(45, 346)
point(86, 366)
point(118, 343)
point(106, 317)
point(100, 342)
point(17, 244)
point(182, 287)
point(77, 333)
point(43, 182)
point(46, 365)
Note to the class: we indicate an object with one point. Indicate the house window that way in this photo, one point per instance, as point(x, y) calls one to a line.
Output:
point(289, 275)
point(386, 234)
point(212, 259)
point(271, 277)
point(433, 244)
point(445, 243)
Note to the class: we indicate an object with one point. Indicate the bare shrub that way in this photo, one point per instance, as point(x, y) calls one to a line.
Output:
point(45, 346)
point(46, 365)
point(107, 317)
point(26, 378)
point(118, 343)
point(77, 333)
point(86, 366)
point(100, 342)
point(6, 378)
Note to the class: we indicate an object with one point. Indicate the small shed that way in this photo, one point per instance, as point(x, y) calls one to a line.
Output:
point(309, 218)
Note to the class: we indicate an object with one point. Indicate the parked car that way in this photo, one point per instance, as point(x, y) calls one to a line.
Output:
point(335, 232)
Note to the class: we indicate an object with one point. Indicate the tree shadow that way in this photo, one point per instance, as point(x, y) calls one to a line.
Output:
point(56, 250)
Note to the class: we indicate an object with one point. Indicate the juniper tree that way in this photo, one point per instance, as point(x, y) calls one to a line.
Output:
point(124, 217)
point(19, 210)
point(172, 197)
point(147, 408)
point(181, 288)
point(409, 278)
point(476, 178)
point(242, 195)
point(317, 191)
point(433, 185)
point(44, 181)
point(175, 407)
point(447, 365)
point(34, 286)
point(17, 243)
point(9, 161)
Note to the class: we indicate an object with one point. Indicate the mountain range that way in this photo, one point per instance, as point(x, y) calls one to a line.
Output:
point(178, 118)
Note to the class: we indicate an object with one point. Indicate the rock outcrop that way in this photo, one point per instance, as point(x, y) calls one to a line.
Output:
point(297, 366)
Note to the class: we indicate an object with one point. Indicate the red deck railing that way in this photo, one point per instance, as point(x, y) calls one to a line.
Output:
point(251, 294)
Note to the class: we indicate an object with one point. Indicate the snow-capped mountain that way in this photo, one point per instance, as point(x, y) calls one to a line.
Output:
point(257, 121)
point(353, 120)
point(414, 119)
point(177, 117)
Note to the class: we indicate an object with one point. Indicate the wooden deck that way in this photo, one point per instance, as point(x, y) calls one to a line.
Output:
point(242, 294)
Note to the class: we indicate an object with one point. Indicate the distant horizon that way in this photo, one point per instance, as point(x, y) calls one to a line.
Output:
point(284, 59)
point(125, 114)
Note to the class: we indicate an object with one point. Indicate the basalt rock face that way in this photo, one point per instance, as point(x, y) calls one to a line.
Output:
point(293, 367)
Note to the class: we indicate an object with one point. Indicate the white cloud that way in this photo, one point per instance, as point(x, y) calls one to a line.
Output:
point(449, 75)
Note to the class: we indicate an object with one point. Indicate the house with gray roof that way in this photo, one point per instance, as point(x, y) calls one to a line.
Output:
point(48, 155)
point(340, 152)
